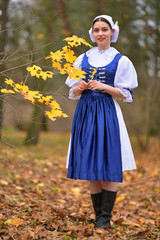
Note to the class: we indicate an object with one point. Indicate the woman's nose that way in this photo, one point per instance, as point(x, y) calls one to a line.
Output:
point(100, 32)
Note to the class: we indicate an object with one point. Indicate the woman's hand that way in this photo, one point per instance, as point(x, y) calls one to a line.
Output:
point(80, 88)
point(96, 85)
point(83, 85)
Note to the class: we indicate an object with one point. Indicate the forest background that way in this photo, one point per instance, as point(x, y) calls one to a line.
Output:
point(37, 201)
point(31, 29)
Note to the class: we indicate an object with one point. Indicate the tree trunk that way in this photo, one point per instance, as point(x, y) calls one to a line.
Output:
point(38, 119)
point(3, 38)
point(100, 7)
point(66, 27)
point(34, 127)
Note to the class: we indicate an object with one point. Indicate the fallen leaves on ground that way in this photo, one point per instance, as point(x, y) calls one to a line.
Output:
point(37, 201)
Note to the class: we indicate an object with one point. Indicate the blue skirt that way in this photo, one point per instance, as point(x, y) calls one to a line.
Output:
point(95, 151)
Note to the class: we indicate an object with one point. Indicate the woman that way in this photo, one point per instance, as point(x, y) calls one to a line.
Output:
point(100, 149)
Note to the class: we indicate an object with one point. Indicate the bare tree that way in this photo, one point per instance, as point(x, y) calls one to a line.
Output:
point(3, 41)
point(64, 17)
point(100, 7)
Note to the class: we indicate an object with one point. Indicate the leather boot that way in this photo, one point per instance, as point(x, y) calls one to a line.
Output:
point(97, 200)
point(108, 199)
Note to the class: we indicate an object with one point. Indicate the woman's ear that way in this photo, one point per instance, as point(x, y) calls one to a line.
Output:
point(112, 31)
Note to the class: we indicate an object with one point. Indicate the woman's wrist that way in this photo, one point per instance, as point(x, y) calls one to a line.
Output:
point(113, 91)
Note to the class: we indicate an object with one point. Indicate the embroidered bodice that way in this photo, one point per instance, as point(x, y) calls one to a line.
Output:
point(125, 76)
point(104, 74)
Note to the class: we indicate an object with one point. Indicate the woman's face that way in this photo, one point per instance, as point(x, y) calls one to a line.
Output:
point(102, 34)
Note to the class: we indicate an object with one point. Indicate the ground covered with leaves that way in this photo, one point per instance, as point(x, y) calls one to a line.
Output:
point(37, 201)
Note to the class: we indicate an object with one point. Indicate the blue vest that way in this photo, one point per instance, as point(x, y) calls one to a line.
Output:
point(105, 74)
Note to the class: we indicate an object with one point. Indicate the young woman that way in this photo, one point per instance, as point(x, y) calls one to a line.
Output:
point(100, 149)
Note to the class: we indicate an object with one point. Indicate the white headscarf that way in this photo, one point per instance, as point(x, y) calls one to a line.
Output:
point(114, 26)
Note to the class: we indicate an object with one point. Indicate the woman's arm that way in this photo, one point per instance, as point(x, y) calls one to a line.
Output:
point(96, 85)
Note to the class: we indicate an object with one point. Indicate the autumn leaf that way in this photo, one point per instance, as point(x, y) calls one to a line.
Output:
point(76, 191)
point(3, 182)
point(56, 65)
point(46, 74)
point(56, 56)
point(119, 221)
point(75, 41)
point(92, 76)
point(40, 35)
point(88, 231)
point(77, 74)
point(54, 113)
point(121, 197)
point(37, 71)
point(70, 57)
point(54, 105)
point(15, 221)
point(37, 97)
point(3, 90)
point(60, 68)
point(34, 70)
point(9, 81)
point(34, 188)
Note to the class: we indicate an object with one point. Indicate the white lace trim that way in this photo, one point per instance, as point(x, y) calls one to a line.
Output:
point(126, 93)
point(71, 93)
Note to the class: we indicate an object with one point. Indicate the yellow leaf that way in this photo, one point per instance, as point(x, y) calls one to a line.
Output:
point(46, 74)
point(76, 191)
point(133, 204)
point(91, 225)
point(70, 57)
point(75, 41)
point(77, 74)
point(54, 104)
point(34, 70)
point(9, 81)
point(17, 176)
point(40, 36)
point(41, 184)
point(131, 223)
point(19, 188)
point(57, 65)
point(142, 219)
point(15, 221)
point(3, 90)
point(54, 113)
point(92, 76)
point(4, 182)
point(85, 205)
point(58, 189)
point(121, 197)
point(56, 56)
point(99, 231)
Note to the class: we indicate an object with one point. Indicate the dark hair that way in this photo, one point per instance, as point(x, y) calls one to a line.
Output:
point(101, 19)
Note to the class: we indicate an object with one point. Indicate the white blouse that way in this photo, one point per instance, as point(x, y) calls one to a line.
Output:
point(125, 77)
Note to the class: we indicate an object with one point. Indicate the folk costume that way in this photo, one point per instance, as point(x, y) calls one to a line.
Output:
point(100, 148)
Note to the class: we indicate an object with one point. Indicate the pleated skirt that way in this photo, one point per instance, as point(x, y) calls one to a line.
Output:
point(95, 151)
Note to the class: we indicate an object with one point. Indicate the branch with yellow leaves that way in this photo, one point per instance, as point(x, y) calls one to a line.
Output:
point(63, 61)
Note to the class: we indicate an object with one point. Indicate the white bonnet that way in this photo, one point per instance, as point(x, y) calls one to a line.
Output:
point(114, 26)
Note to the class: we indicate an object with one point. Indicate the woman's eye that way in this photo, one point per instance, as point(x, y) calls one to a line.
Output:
point(103, 30)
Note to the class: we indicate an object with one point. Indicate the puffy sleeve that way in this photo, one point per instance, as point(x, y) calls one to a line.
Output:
point(126, 78)
point(71, 82)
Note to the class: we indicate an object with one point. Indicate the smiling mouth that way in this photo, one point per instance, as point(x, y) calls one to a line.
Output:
point(101, 40)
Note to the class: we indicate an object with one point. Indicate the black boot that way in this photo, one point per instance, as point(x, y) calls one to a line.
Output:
point(108, 199)
point(97, 200)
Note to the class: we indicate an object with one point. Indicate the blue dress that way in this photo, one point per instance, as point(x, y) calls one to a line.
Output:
point(95, 151)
